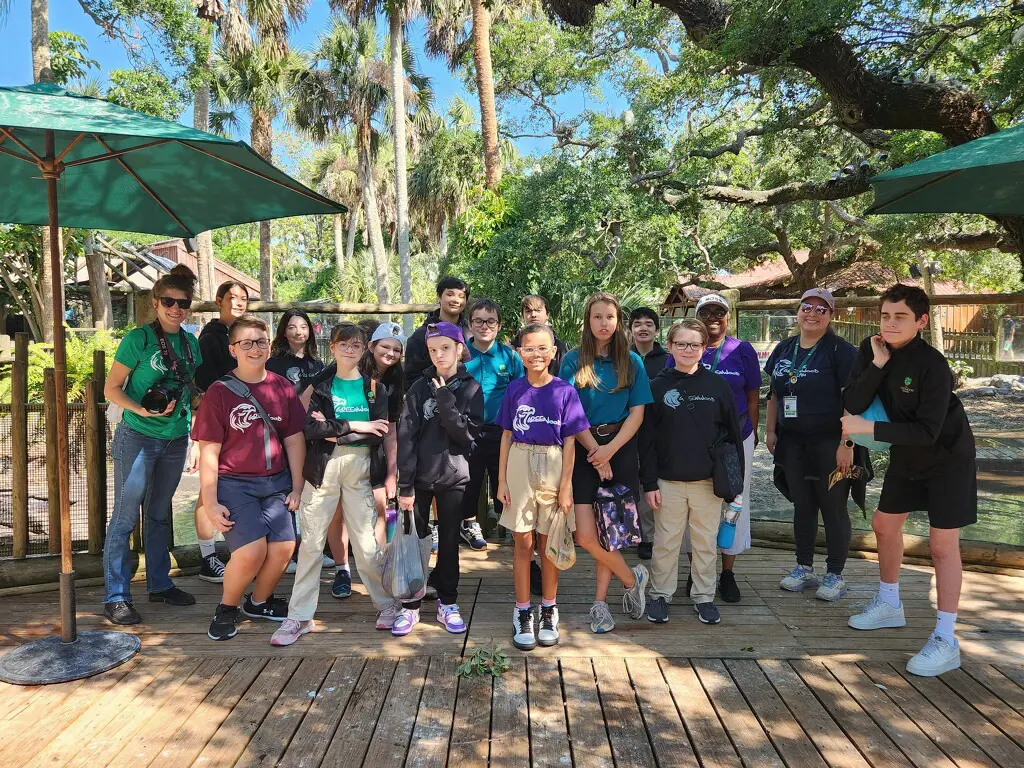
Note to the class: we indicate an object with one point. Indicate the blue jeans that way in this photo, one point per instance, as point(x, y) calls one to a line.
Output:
point(147, 471)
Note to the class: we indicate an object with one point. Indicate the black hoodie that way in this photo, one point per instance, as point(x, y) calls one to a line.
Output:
point(690, 413)
point(927, 426)
point(217, 360)
point(437, 432)
point(655, 361)
point(417, 359)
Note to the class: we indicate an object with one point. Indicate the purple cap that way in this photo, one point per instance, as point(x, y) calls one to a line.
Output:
point(820, 293)
point(448, 330)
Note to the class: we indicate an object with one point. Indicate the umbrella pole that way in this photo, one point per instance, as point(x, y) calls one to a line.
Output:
point(68, 620)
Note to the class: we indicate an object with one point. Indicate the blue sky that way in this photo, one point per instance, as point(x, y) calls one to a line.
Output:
point(67, 15)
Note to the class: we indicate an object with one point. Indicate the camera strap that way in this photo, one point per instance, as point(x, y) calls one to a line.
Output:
point(171, 359)
point(238, 387)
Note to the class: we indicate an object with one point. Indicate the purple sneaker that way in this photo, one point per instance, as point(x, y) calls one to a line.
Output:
point(451, 618)
point(407, 619)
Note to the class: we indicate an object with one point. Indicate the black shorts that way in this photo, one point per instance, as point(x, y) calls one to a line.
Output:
point(625, 469)
point(950, 497)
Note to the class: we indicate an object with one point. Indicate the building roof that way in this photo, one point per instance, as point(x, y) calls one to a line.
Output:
point(175, 251)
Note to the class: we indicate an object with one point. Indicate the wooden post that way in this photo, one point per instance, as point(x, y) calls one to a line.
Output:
point(19, 445)
point(52, 463)
point(95, 477)
point(732, 295)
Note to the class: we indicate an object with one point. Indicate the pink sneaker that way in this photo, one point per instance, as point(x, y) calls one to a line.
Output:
point(451, 618)
point(386, 618)
point(407, 619)
point(290, 631)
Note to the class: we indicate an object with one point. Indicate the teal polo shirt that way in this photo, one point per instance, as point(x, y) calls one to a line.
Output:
point(494, 369)
point(603, 406)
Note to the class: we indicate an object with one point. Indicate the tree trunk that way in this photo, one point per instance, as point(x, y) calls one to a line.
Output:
point(933, 317)
point(401, 171)
point(99, 289)
point(372, 214)
point(443, 239)
point(41, 72)
point(204, 240)
point(485, 90)
point(350, 238)
point(261, 134)
point(339, 244)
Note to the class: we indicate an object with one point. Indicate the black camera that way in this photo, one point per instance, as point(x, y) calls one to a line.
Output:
point(160, 395)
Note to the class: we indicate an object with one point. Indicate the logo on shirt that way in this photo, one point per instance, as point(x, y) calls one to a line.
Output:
point(156, 362)
point(293, 375)
point(341, 405)
point(671, 398)
point(429, 408)
point(722, 373)
point(242, 416)
point(783, 368)
point(906, 388)
point(525, 417)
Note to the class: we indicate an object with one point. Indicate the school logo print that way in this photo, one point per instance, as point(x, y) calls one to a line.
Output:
point(906, 388)
point(521, 421)
point(242, 416)
point(293, 375)
point(156, 362)
point(782, 368)
point(429, 408)
point(671, 398)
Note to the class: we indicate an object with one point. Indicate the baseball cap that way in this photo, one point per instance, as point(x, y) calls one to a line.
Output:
point(820, 293)
point(712, 298)
point(448, 330)
point(388, 331)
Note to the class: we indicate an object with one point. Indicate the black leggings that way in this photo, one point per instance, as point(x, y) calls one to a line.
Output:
point(483, 462)
point(445, 576)
point(807, 463)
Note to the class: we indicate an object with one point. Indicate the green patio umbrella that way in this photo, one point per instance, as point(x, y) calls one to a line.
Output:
point(982, 176)
point(74, 161)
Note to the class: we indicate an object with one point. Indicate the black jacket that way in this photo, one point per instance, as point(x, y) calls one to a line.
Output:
point(417, 358)
point(300, 371)
point(438, 431)
point(690, 413)
point(655, 360)
point(560, 349)
point(927, 426)
point(217, 360)
point(318, 448)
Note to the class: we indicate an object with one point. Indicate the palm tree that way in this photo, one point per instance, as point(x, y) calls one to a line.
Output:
point(336, 174)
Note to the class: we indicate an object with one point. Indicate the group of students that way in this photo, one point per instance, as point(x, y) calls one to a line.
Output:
point(466, 407)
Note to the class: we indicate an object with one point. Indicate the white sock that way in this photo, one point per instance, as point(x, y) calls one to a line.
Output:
point(344, 567)
point(889, 593)
point(945, 625)
point(207, 548)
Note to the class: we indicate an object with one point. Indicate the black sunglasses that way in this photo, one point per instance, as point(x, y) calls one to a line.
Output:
point(167, 302)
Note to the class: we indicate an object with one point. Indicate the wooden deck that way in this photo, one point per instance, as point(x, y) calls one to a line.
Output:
point(781, 682)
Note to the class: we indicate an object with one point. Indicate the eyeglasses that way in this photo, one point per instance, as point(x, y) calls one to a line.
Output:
point(817, 309)
point(692, 346)
point(535, 350)
point(481, 323)
point(167, 302)
point(353, 347)
point(246, 344)
point(712, 314)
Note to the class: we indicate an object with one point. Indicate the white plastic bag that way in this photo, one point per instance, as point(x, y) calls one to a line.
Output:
point(402, 569)
point(561, 549)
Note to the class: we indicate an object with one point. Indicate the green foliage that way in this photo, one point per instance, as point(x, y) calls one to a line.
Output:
point(243, 255)
point(146, 90)
point(485, 662)
point(80, 350)
point(68, 58)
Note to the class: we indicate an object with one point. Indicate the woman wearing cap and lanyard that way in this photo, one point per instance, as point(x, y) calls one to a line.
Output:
point(736, 362)
point(804, 433)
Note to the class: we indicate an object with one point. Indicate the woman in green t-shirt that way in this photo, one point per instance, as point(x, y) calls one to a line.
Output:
point(151, 380)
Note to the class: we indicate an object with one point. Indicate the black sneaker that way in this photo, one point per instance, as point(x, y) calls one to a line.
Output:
point(645, 550)
point(172, 596)
point(707, 613)
point(121, 612)
point(657, 610)
point(536, 580)
point(273, 608)
point(212, 569)
point(223, 625)
point(727, 587)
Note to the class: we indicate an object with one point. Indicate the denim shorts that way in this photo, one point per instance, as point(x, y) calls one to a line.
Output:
point(256, 506)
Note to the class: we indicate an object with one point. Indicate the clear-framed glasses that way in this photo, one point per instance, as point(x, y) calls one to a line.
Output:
point(817, 309)
point(535, 350)
point(246, 344)
point(352, 347)
point(691, 346)
point(481, 323)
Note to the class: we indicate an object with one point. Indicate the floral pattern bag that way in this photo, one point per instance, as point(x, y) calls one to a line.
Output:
point(618, 525)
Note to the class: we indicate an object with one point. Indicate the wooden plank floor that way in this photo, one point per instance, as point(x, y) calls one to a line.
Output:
point(781, 682)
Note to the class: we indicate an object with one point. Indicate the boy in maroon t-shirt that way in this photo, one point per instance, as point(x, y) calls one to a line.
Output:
point(251, 477)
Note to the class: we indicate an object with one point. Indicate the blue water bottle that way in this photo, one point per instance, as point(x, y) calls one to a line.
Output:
point(727, 529)
point(390, 520)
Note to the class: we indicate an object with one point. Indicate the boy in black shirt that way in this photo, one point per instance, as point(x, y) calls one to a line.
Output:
point(932, 465)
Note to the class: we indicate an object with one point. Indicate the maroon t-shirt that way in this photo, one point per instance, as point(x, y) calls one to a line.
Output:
point(232, 421)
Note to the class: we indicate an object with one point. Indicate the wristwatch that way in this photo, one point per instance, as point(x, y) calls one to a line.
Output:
point(848, 443)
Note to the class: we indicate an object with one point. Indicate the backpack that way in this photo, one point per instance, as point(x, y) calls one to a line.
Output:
point(618, 524)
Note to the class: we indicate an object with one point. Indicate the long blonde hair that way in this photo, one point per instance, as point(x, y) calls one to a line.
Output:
point(618, 348)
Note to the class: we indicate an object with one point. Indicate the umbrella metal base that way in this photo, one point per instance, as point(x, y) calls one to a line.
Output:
point(49, 661)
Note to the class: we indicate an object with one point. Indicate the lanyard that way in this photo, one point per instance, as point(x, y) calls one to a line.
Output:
point(794, 372)
point(718, 355)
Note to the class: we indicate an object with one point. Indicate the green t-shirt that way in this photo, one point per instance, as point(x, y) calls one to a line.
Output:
point(350, 400)
point(139, 351)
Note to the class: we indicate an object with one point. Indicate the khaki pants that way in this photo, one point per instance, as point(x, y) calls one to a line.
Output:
point(533, 474)
point(692, 506)
point(347, 477)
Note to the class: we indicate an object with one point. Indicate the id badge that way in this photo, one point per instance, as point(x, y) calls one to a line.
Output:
point(789, 407)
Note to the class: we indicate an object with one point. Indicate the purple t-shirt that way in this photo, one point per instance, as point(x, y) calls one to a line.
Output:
point(542, 415)
point(738, 365)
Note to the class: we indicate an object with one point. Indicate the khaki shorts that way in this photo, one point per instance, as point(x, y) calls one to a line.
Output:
point(533, 475)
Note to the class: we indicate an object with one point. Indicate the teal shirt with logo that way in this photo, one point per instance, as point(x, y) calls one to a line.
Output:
point(349, 400)
point(494, 370)
point(605, 405)
point(139, 352)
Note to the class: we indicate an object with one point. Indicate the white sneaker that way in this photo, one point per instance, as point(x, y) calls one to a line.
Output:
point(292, 567)
point(799, 579)
point(547, 635)
point(328, 562)
point(832, 588)
point(523, 623)
point(936, 657)
point(634, 599)
point(878, 615)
